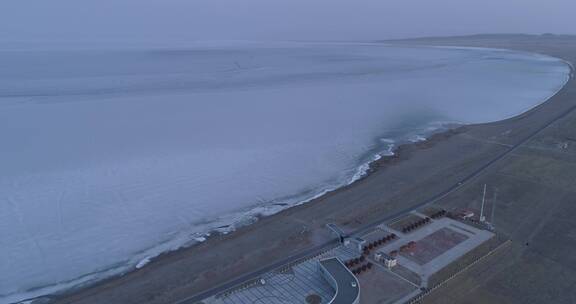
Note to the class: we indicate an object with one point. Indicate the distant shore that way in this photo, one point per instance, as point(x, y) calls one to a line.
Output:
point(416, 171)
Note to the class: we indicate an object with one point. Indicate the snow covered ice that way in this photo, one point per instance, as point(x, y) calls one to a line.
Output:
point(110, 157)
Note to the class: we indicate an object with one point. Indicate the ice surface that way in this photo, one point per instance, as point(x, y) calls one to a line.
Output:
point(110, 157)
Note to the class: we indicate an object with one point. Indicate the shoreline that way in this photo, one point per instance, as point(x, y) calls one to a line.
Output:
point(402, 153)
point(429, 139)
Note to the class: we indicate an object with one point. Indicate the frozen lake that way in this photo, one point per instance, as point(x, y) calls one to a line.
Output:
point(108, 157)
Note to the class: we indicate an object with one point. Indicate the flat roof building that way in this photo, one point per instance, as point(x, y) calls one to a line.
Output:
point(342, 280)
point(356, 243)
point(388, 260)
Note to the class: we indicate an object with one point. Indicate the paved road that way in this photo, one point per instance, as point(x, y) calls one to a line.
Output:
point(360, 231)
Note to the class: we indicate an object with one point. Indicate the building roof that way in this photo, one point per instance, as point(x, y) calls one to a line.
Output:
point(347, 286)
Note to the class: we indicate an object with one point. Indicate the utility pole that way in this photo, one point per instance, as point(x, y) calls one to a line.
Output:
point(482, 217)
point(494, 206)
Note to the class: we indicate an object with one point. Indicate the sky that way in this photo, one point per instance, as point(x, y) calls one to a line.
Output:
point(181, 21)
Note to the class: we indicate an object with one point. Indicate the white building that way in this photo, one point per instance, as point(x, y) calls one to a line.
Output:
point(388, 260)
